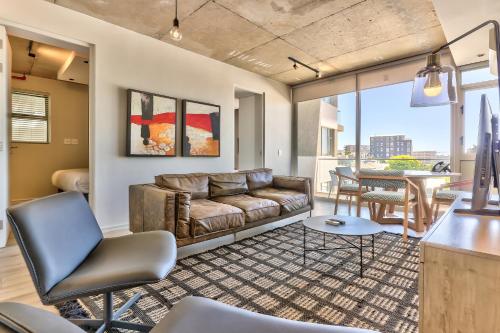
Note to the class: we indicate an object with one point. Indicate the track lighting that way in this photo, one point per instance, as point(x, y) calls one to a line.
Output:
point(295, 62)
point(175, 32)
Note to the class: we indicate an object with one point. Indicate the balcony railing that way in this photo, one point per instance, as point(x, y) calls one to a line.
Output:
point(324, 183)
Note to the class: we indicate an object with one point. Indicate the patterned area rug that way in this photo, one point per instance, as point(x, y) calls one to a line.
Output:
point(266, 274)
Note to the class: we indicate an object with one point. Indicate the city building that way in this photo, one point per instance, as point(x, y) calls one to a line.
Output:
point(364, 151)
point(385, 146)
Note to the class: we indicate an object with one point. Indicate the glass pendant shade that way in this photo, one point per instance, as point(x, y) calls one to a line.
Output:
point(434, 84)
point(175, 32)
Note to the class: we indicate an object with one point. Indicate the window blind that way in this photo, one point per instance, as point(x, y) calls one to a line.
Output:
point(30, 113)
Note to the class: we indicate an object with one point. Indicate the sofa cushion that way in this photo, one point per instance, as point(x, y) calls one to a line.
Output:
point(195, 183)
point(289, 200)
point(255, 208)
point(227, 184)
point(259, 178)
point(208, 216)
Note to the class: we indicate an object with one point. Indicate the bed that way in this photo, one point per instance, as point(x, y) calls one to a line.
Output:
point(71, 180)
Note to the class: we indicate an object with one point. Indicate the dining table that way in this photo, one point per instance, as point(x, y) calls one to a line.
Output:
point(418, 177)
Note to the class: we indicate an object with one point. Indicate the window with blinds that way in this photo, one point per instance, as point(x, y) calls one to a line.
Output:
point(30, 117)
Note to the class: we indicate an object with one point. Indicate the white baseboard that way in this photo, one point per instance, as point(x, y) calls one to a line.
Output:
point(115, 230)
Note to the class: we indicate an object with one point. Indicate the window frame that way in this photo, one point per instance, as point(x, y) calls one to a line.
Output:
point(45, 118)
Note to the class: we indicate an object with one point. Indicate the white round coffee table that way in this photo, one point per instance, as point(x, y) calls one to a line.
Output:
point(353, 227)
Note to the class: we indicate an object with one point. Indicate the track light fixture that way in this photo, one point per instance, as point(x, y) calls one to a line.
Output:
point(175, 32)
point(295, 62)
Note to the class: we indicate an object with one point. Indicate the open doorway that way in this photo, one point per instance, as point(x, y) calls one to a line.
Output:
point(48, 137)
point(248, 130)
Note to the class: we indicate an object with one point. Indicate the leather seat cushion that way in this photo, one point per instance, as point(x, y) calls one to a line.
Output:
point(118, 263)
point(195, 314)
point(289, 200)
point(21, 318)
point(209, 216)
point(255, 208)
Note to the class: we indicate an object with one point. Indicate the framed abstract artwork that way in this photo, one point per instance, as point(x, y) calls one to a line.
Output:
point(200, 129)
point(151, 124)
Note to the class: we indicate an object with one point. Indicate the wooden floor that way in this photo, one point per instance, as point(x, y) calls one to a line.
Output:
point(16, 284)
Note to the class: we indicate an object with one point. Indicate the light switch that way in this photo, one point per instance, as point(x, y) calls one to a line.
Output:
point(74, 141)
point(67, 141)
point(280, 152)
point(1, 145)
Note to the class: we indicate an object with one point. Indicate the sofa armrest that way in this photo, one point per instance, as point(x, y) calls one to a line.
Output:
point(299, 184)
point(155, 208)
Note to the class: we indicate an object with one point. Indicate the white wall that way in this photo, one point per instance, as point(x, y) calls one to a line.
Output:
point(124, 59)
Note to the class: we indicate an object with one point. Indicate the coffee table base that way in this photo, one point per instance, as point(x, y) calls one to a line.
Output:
point(352, 245)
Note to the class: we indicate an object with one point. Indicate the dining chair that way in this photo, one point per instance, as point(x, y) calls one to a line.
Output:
point(446, 193)
point(347, 184)
point(389, 188)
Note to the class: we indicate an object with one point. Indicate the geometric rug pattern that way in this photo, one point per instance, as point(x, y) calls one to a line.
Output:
point(266, 274)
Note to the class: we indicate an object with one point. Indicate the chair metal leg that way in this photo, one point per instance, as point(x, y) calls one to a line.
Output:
point(350, 204)
point(337, 200)
point(90, 323)
point(110, 318)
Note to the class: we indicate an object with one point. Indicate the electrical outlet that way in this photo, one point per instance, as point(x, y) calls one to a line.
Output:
point(67, 141)
point(74, 141)
point(1, 145)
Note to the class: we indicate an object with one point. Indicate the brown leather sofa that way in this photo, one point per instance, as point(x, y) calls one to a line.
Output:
point(198, 206)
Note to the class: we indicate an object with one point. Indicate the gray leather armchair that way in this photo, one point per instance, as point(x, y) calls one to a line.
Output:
point(68, 257)
point(191, 315)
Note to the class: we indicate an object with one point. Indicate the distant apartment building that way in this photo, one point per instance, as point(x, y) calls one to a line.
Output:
point(364, 151)
point(385, 146)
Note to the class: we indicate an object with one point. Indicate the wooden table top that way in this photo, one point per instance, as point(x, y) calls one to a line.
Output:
point(429, 174)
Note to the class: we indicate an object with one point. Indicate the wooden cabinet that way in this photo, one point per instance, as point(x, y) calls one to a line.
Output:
point(459, 277)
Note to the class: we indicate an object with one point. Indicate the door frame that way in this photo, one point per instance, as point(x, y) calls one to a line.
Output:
point(263, 120)
point(27, 32)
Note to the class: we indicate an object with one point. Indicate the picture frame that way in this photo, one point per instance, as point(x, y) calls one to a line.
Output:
point(151, 124)
point(200, 129)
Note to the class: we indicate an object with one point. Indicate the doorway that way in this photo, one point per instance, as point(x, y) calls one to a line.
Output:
point(49, 120)
point(248, 129)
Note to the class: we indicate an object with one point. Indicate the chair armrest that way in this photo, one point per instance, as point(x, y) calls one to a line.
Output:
point(24, 318)
point(196, 314)
point(299, 184)
point(355, 180)
point(155, 208)
point(456, 184)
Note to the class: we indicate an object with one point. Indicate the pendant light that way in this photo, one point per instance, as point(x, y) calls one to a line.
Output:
point(175, 32)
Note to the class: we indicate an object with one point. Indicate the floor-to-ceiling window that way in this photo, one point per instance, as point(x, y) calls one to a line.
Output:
point(475, 82)
point(338, 138)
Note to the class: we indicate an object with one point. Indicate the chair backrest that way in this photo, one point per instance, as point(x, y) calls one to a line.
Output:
point(55, 234)
point(344, 171)
point(365, 180)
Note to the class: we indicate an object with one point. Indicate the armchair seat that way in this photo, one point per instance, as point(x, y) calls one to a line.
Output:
point(119, 263)
point(387, 196)
point(352, 188)
point(447, 195)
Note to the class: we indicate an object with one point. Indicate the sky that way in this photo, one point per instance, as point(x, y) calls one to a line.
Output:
point(386, 110)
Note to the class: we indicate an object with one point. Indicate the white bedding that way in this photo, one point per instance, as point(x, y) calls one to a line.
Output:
point(71, 180)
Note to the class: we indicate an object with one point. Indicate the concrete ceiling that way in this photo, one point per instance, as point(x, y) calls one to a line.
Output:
point(457, 17)
point(258, 35)
point(47, 62)
point(50, 62)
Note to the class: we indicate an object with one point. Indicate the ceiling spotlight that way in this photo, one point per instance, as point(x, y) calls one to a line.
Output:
point(175, 32)
point(318, 75)
point(295, 65)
